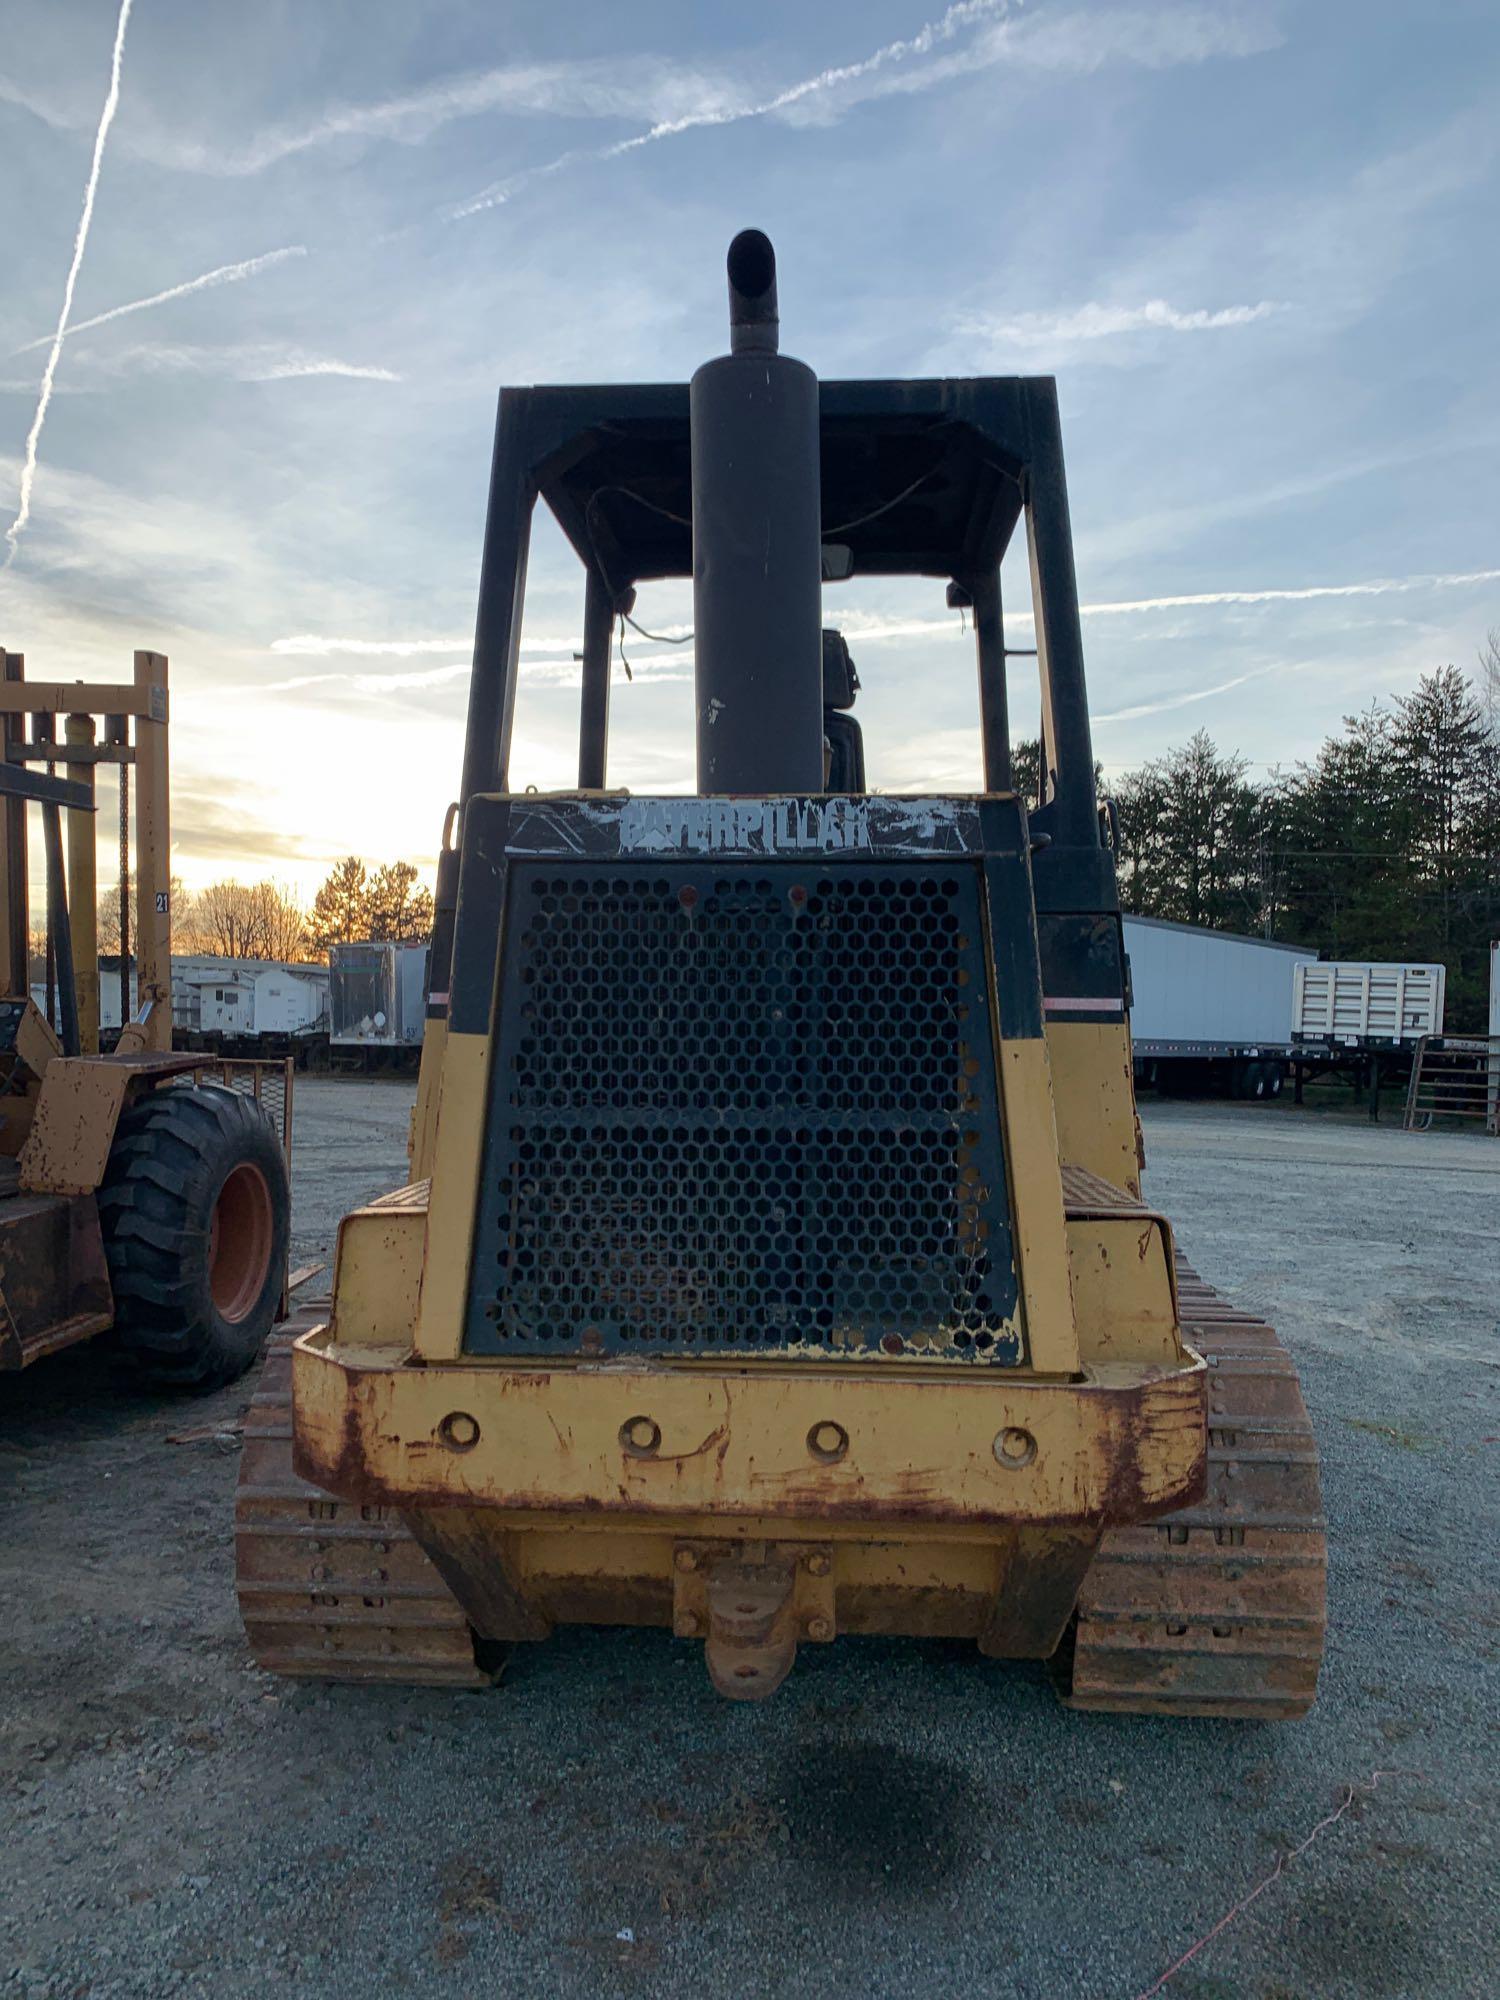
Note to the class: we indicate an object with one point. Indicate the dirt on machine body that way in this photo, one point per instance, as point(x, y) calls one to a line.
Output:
point(774, 1263)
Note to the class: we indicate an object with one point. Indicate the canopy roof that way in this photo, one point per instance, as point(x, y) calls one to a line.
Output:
point(919, 478)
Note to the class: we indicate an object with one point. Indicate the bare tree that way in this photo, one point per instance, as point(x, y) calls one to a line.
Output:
point(282, 921)
point(184, 919)
point(232, 921)
point(1489, 682)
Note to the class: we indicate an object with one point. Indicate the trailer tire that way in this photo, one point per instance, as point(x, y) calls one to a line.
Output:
point(196, 1214)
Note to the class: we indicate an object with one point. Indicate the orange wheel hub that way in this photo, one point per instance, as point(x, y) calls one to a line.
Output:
point(239, 1242)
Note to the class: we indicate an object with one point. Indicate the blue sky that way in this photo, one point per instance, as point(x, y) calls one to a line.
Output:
point(1255, 243)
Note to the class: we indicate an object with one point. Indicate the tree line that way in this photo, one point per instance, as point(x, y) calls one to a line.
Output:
point(233, 919)
point(1385, 845)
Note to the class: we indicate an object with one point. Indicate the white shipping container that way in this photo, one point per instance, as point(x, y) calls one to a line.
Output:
point(1349, 1000)
point(1209, 989)
point(226, 1005)
point(290, 1000)
point(378, 994)
point(247, 996)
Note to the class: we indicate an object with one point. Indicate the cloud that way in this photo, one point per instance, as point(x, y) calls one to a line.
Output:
point(48, 109)
point(286, 371)
point(314, 646)
point(672, 97)
point(1076, 42)
point(241, 361)
point(1156, 37)
point(635, 87)
point(369, 683)
point(222, 274)
point(80, 241)
point(1104, 322)
point(16, 385)
point(717, 111)
point(1081, 41)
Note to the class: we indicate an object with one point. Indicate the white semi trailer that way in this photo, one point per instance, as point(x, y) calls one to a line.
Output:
point(379, 1003)
point(1212, 1011)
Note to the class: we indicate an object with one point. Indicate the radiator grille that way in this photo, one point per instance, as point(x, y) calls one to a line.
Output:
point(742, 1109)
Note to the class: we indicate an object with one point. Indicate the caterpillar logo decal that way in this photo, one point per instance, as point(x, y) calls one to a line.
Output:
point(744, 826)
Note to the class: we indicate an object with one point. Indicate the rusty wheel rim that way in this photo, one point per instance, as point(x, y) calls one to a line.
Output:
point(239, 1242)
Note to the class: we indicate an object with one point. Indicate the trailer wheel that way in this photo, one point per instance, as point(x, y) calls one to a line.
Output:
point(196, 1211)
point(1253, 1081)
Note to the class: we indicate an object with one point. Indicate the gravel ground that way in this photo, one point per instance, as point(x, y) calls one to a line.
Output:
point(903, 1818)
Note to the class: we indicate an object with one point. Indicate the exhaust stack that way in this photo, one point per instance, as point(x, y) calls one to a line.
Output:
point(757, 548)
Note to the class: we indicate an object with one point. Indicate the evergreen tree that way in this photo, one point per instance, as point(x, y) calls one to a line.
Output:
point(1344, 836)
point(395, 906)
point(1190, 827)
point(338, 911)
point(1438, 740)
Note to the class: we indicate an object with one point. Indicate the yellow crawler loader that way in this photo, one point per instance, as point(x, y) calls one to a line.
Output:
point(774, 1264)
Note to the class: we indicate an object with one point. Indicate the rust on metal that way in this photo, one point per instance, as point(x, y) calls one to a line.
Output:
point(468, 1551)
point(54, 1283)
point(330, 1591)
point(1126, 1444)
point(1217, 1609)
point(1041, 1573)
point(751, 1602)
point(78, 1108)
point(752, 1626)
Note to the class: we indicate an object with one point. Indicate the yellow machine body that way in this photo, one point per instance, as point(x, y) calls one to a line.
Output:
point(933, 1498)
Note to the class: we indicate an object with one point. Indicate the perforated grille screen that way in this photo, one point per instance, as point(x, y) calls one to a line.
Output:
point(744, 1107)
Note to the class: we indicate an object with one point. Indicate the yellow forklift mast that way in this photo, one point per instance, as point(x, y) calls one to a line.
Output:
point(774, 1264)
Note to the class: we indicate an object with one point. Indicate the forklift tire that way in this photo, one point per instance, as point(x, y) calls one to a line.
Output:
point(196, 1214)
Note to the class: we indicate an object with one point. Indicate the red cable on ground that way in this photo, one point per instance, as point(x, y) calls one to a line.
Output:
point(1351, 1792)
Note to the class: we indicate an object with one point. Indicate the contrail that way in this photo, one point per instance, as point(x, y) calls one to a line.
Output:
point(223, 274)
point(862, 626)
point(1197, 694)
point(960, 15)
point(550, 672)
point(1101, 322)
point(1381, 586)
point(359, 371)
point(313, 645)
point(871, 625)
point(33, 436)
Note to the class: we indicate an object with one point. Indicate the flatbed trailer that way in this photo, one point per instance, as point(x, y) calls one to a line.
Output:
point(1217, 1014)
